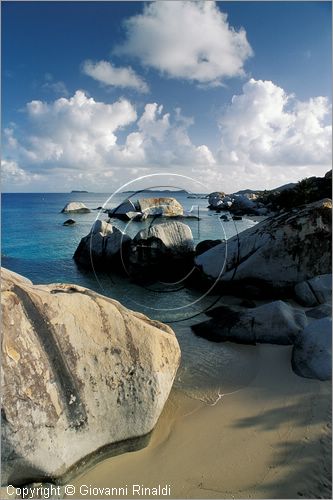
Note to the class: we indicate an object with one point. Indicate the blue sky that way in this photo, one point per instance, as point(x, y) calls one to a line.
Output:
point(96, 93)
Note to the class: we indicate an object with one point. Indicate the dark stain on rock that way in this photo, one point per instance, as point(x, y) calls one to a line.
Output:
point(74, 408)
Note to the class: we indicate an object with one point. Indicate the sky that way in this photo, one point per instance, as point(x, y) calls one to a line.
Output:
point(234, 95)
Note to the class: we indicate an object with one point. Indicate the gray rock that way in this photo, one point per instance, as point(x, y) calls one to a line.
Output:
point(135, 216)
point(122, 211)
point(165, 207)
point(102, 246)
point(272, 323)
point(175, 236)
point(312, 353)
point(278, 252)
point(215, 200)
point(319, 312)
point(315, 291)
point(69, 222)
point(75, 207)
point(243, 204)
point(162, 251)
point(205, 245)
point(80, 374)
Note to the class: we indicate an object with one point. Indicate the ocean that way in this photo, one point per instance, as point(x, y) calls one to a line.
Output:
point(36, 244)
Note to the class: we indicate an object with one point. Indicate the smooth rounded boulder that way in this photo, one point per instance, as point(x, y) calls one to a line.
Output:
point(82, 375)
point(163, 207)
point(102, 247)
point(315, 291)
point(312, 353)
point(272, 323)
point(279, 252)
point(161, 251)
point(75, 207)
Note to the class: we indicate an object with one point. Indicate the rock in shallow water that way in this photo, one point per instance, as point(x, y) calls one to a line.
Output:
point(76, 207)
point(80, 372)
point(166, 207)
point(162, 251)
point(69, 222)
point(102, 247)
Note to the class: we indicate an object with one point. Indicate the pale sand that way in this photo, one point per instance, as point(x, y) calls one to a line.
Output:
point(268, 440)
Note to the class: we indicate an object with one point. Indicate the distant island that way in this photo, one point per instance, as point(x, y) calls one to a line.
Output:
point(152, 190)
point(76, 191)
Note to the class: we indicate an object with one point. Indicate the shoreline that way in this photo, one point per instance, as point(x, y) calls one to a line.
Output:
point(270, 439)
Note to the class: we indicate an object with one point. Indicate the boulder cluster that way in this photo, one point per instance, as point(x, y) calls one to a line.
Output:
point(238, 204)
point(162, 249)
point(147, 207)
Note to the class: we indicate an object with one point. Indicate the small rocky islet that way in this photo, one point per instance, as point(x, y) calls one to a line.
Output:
point(84, 375)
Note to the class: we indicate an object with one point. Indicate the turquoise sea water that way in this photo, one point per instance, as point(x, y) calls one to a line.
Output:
point(37, 245)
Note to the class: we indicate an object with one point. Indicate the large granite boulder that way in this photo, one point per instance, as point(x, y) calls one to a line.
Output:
point(273, 323)
point(163, 207)
point(174, 237)
point(279, 252)
point(315, 291)
point(81, 376)
point(102, 246)
point(312, 353)
point(165, 249)
point(75, 207)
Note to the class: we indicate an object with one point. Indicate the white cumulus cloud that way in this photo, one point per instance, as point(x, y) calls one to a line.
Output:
point(12, 173)
point(266, 127)
point(78, 132)
point(107, 74)
point(188, 40)
point(81, 138)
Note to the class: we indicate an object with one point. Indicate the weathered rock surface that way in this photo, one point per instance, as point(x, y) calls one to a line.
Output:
point(315, 291)
point(162, 251)
point(312, 352)
point(272, 323)
point(165, 207)
point(280, 251)
point(215, 200)
point(80, 372)
point(102, 246)
point(123, 210)
point(174, 237)
point(320, 312)
point(75, 207)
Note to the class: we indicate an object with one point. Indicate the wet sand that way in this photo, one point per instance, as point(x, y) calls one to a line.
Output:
point(270, 439)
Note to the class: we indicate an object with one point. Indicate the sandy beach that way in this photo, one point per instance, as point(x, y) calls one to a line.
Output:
point(271, 439)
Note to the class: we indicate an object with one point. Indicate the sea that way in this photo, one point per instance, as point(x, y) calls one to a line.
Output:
point(36, 244)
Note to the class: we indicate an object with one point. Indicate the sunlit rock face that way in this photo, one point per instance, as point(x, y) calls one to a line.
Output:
point(80, 373)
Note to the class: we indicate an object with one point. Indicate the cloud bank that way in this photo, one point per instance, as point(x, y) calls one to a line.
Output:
point(267, 138)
